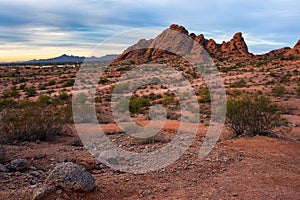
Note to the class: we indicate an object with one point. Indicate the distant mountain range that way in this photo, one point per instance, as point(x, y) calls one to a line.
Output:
point(68, 59)
point(73, 59)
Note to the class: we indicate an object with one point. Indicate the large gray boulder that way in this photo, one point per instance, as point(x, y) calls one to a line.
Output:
point(71, 176)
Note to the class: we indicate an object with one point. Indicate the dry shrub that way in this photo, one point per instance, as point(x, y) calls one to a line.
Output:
point(248, 116)
point(33, 122)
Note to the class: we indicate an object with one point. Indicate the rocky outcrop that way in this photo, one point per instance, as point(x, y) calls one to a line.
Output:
point(235, 49)
point(236, 45)
point(151, 50)
point(294, 51)
point(275, 53)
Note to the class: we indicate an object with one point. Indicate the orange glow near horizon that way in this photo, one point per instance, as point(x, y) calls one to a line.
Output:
point(17, 58)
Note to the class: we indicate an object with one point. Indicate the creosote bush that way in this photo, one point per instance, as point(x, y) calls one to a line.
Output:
point(278, 90)
point(33, 121)
point(249, 116)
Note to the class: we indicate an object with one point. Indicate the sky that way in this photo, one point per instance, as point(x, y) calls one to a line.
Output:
point(34, 29)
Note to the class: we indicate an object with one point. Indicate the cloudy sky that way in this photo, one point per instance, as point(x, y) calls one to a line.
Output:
point(41, 29)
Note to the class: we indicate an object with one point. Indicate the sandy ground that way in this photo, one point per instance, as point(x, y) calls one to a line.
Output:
point(237, 168)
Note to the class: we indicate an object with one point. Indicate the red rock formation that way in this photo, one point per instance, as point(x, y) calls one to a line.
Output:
point(146, 50)
point(294, 51)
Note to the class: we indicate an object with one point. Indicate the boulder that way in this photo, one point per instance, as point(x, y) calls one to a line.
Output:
point(71, 176)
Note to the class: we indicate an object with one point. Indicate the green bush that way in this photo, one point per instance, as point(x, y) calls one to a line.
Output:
point(204, 96)
point(52, 82)
point(168, 100)
point(278, 90)
point(22, 86)
point(63, 95)
point(103, 80)
point(43, 100)
point(12, 93)
point(81, 98)
point(4, 103)
point(120, 88)
point(42, 87)
point(32, 122)
point(238, 84)
point(248, 116)
point(30, 92)
point(69, 83)
point(136, 105)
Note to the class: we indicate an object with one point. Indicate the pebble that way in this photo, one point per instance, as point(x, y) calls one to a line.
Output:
point(3, 168)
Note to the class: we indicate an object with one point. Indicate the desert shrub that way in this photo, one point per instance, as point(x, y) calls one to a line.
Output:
point(63, 95)
point(25, 103)
point(42, 87)
point(43, 99)
point(12, 93)
point(248, 116)
point(155, 80)
point(168, 99)
point(298, 91)
point(69, 83)
point(103, 80)
point(278, 90)
point(30, 92)
point(81, 98)
point(22, 86)
point(22, 80)
point(136, 105)
point(120, 88)
point(52, 82)
point(204, 95)
point(238, 84)
point(84, 114)
point(33, 122)
point(4, 103)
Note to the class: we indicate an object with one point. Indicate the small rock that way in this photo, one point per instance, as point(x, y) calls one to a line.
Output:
point(41, 192)
point(70, 176)
point(11, 186)
point(86, 162)
point(58, 192)
point(35, 173)
point(18, 164)
point(40, 156)
point(3, 168)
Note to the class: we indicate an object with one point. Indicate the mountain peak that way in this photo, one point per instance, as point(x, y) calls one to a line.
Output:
point(236, 47)
point(238, 36)
point(179, 28)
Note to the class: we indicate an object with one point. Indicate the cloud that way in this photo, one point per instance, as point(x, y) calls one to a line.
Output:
point(75, 23)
